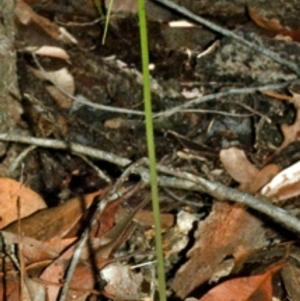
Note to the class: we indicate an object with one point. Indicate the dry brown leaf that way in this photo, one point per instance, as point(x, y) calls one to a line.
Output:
point(273, 26)
point(83, 279)
point(228, 232)
point(60, 99)
point(33, 290)
point(264, 176)
point(54, 222)
point(27, 17)
point(258, 288)
point(33, 250)
point(10, 190)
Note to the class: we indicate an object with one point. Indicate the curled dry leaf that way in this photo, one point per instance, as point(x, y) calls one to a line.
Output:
point(237, 165)
point(243, 171)
point(50, 51)
point(273, 26)
point(284, 185)
point(10, 191)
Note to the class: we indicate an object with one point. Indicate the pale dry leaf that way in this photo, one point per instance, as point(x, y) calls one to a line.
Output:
point(237, 165)
point(284, 185)
point(61, 78)
point(49, 51)
point(122, 282)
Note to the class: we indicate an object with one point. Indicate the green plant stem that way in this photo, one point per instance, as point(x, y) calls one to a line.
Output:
point(107, 21)
point(151, 149)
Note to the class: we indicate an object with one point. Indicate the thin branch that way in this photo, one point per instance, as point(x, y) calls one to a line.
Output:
point(71, 269)
point(224, 193)
point(227, 33)
point(80, 100)
point(233, 91)
point(71, 146)
point(182, 180)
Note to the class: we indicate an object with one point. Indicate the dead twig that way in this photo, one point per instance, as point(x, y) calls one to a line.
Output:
point(233, 91)
point(71, 269)
point(182, 180)
point(224, 193)
point(71, 146)
point(227, 33)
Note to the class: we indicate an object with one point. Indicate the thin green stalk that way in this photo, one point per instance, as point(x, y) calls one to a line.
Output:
point(151, 150)
point(107, 21)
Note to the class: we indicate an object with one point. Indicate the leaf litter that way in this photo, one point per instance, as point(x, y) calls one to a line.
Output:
point(205, 240)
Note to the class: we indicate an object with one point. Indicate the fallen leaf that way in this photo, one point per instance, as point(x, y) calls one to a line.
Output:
point(54, 222)
point(49, 51)
point(284, 185)
point(237, 165)
point(228, 232)
point(27, 17)
point(273, 26)
point(32, 249)
point(10, 191)
point(122, 282)
point(243, 171)
point(258, 288)
point(61, 78)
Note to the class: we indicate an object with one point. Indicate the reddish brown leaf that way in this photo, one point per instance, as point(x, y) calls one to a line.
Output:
point(228, 232)
point(273, 26)
point(10, 190)
point(54, 222)
point(253, 288)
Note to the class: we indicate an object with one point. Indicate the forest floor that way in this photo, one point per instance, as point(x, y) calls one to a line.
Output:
point(226, 120)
